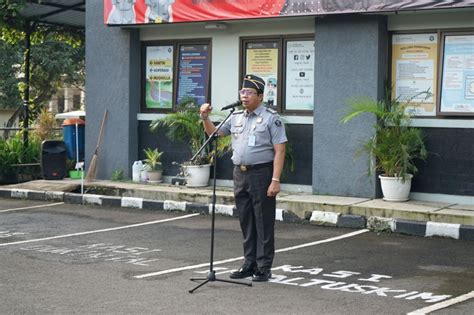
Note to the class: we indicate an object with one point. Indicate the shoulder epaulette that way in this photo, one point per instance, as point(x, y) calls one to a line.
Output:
point(238, 112)
point(271, 110)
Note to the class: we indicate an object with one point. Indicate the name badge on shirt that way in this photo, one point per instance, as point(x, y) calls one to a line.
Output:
point(251, 140)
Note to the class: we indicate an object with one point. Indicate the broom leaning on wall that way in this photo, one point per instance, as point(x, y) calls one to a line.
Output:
point(93, 166)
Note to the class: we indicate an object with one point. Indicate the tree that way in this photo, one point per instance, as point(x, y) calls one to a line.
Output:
point(10, 60)
point(57, 57)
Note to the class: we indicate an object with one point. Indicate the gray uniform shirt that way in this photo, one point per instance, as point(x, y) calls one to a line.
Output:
point(254, 134)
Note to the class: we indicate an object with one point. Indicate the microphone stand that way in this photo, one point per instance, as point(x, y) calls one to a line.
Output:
point(211, 275)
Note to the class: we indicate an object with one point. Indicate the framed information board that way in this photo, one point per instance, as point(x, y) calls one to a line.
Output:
point(299, 75)
point(193, 72)
point(159, 77)
point(414, 71)
point(261, 59)
point(457, 79)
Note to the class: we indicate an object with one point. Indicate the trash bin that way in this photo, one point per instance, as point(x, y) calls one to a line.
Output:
point(69, 136)
point(53, 159)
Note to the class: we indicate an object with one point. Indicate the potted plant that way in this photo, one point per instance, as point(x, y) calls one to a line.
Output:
point(395, 145)
point(185, 125)
point(153, 165)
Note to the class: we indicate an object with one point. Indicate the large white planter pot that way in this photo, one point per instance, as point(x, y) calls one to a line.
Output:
point(394, 189)
point(197, 175)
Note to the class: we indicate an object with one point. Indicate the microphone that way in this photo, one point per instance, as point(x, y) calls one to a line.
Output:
point(235, 104)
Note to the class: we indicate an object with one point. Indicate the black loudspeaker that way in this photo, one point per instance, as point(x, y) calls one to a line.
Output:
point(53, 159)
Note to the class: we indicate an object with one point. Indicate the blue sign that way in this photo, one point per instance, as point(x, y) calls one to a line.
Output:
point(193, 74)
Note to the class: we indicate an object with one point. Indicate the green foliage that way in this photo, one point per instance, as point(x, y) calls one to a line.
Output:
point(117, 175)
point(53, 63)
point(10, 60)
point(153, 159)
point(185, 125)
point(57, 57)
point(45, 124)
point(395, 144)
point(9, 12)
point(224, 145)
point(70, 165)
point(182, 125)
point(12, 151)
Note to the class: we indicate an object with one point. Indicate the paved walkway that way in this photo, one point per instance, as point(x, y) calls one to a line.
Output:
point(411, 217)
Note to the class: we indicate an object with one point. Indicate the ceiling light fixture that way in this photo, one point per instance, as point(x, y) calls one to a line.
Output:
point(215, 26)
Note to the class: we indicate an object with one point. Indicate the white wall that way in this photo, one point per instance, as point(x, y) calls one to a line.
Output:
point(5, 114)
point(430, 20)
point(225, 47)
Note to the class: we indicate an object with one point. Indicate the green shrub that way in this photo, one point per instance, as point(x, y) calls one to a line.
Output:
point(117, 175)
point(12, 151)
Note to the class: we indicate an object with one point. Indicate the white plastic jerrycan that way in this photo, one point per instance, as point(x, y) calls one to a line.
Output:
point(136, 170)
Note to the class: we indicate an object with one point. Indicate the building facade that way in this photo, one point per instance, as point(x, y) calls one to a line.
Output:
point(313, 63)
point(68, 98)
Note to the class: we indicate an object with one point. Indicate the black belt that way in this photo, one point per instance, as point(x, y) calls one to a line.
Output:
point(245, 168)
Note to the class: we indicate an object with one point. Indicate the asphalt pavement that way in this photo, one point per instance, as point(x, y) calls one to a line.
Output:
point(61, 258)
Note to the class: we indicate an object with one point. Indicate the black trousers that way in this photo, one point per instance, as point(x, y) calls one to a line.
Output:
point(256, 214)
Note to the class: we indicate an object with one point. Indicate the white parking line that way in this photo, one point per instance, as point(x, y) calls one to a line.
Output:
point(443, 304)
point(33, 207)
point(332, 239)
point(100, 231)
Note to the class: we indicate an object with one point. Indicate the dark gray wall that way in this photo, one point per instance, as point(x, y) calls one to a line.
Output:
point(298, 135)
point(351, 60)
point(112, 65)
point(449, 168)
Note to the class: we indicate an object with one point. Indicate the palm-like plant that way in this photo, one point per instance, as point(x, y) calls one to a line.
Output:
point(395, 145)
point(153, 159)
point(185, 125)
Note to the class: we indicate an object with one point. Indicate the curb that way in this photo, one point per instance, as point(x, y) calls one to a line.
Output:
point(320, 218)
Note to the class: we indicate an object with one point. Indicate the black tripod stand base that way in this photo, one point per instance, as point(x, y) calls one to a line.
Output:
point(211, 277)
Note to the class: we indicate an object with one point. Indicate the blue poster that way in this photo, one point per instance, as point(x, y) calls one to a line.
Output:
point(193, 74)
point(457, 85)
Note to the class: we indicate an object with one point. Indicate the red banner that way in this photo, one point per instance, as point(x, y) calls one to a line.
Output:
point(123, 12)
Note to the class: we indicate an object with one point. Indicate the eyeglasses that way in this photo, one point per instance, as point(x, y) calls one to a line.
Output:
point(247, 92)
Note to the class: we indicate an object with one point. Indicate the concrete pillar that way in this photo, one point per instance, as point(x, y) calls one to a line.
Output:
point(112, 83)
point(68, 94)
point(53, 104)
point(83, 99)
point(351, 60)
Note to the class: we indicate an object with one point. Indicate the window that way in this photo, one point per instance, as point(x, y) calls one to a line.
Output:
point(173, 72)
point(457, 75)
point(286, 63)
point(438, 62)
point(61, 102)
point(76, 101)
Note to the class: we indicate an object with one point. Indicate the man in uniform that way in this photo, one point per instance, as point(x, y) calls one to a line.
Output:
point(258, 144)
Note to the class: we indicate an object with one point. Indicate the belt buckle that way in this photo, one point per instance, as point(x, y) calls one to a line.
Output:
point(243, 168)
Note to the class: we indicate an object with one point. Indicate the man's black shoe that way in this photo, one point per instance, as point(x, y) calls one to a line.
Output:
point(244, 272)
point(262, 275)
